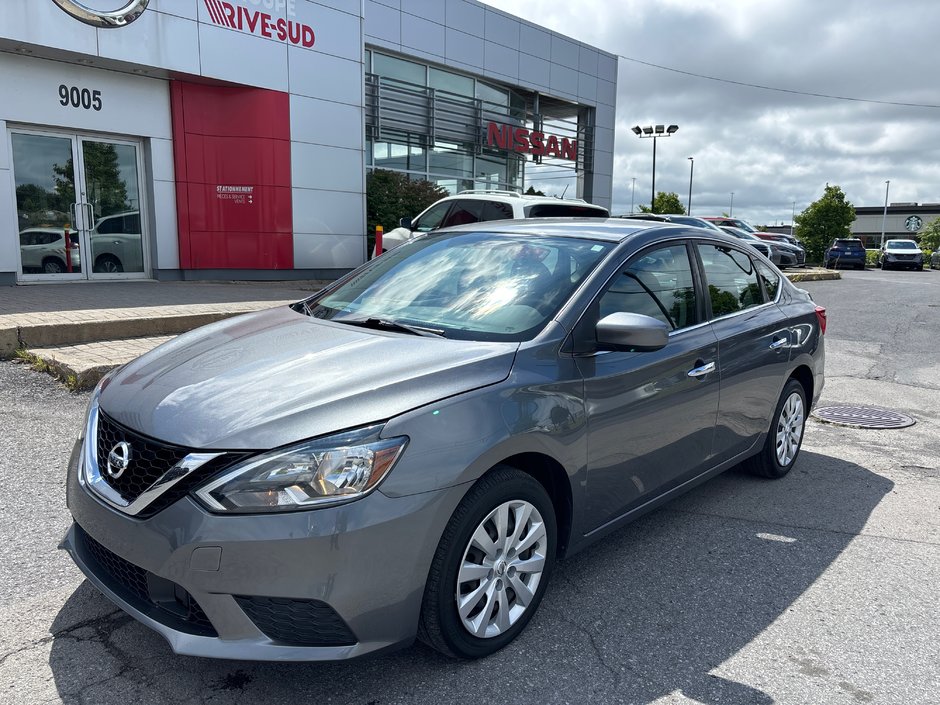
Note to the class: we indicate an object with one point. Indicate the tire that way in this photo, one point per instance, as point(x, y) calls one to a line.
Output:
point(53, 265)
point(108, 264)
point(789, 418)
point(441, 625)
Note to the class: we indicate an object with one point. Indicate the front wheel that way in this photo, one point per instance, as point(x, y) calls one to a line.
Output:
point(491, 566)
point(783, 442)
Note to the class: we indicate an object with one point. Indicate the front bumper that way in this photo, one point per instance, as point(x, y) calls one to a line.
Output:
point(326, 584)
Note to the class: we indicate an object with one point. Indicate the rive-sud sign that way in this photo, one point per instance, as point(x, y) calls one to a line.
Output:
point(245, 19)
point(99, 18)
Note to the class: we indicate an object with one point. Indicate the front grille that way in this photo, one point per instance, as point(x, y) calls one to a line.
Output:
point(157, 597)
point(297, 622)
point(149, 459)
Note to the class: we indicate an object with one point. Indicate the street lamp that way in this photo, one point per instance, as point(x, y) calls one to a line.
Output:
point(633, 194)
point(884, 215)
point(731, 210)
point(792, 217)
point(654, 131)
point(691, 170)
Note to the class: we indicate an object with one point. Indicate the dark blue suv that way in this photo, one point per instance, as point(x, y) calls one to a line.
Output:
point(848, 252)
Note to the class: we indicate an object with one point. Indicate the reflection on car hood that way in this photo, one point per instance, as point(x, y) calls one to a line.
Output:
point(275, 377)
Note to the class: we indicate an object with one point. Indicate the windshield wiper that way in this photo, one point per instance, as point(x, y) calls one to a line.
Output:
point(395, 326)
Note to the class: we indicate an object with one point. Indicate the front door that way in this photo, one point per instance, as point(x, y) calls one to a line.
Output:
point(651, 415)
point(79, 205)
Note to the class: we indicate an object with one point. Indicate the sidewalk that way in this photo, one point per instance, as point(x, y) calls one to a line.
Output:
point(80, 330)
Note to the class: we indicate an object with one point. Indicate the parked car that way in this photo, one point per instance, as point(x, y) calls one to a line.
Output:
point(845, 252)
point(408, 451)
point(42, 250)
point(935, 260)
point(116, 243)
point(770, 250)
point(795, 248)
point(479, 206)
point(672, 218)
point(901, 254)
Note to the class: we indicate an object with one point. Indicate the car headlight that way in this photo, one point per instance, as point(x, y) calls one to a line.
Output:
point(311, 474)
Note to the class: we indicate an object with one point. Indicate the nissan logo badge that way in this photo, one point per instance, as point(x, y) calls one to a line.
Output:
point(106, 20)
point(118, 459)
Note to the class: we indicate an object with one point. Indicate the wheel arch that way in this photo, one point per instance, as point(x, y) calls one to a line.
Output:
point(804, 375)
point(552, 476)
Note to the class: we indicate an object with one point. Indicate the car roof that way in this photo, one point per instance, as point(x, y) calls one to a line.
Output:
point(498, 195)
point(607, 230)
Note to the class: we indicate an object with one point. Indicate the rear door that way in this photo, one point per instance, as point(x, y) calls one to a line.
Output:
point(651, 415)
point(753, 345)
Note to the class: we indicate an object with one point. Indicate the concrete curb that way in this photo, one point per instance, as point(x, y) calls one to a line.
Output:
point(814, 275)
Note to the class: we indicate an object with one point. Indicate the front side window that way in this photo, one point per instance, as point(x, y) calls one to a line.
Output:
point(468, 286)
point(431, 218)
point(658, 284)
point(731, 279)
point(464, 212)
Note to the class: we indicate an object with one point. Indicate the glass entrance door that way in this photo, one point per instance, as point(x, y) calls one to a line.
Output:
point(111, 196)
point(79, 207)
point(44, 175)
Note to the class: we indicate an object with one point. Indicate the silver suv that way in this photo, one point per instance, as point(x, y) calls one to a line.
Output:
point(477, 206)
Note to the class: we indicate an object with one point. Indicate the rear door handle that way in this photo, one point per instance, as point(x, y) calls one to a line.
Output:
point(778, 343)
point(703, 370)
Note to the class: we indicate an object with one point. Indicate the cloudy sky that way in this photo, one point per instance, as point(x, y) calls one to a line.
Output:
point(770, 148)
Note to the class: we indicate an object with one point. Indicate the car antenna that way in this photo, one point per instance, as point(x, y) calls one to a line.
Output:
point(565, 191)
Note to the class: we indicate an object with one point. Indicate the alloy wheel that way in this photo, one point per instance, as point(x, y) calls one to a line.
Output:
point(790, 429)
point(501, 569)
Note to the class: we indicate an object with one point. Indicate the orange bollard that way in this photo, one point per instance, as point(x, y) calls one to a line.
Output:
point(379, 232)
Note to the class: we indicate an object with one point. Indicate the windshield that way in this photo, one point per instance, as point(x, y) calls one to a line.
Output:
point(469, 286)
point(901, 245)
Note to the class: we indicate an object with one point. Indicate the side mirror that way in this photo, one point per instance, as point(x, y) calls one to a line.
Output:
point(405, 223)
point(632, 332)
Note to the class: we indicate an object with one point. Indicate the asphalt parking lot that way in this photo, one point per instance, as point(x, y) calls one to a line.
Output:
point(819, 588)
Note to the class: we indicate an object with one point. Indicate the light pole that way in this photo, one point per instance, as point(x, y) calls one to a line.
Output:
point(731, 210)
point(633, 195)
point(691, 171)
point(792, 216)
point(884, 216)
point(654, 131)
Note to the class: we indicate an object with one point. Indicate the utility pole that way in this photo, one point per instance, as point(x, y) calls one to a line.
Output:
point(884, 215)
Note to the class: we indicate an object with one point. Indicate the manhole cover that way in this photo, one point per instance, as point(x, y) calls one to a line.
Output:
point(863, 417)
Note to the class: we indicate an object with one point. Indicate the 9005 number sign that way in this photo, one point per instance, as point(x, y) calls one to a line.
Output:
point(79, 97)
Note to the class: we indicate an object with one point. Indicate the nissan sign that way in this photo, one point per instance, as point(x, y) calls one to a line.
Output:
point(105, 20)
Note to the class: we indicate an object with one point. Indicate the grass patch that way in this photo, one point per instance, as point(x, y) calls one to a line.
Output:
point(68, 379)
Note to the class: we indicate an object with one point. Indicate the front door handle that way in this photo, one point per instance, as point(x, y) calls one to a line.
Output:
point(779, 343)
point(703, 370)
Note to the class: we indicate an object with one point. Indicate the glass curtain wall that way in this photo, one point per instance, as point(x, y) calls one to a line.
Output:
point(455, 164)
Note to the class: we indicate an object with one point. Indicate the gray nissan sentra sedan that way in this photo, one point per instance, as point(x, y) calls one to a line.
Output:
point(408, 452)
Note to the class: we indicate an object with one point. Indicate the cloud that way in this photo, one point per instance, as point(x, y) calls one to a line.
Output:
point(770, 148)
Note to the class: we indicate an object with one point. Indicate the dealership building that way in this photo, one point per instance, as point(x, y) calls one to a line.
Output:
point(231, 139)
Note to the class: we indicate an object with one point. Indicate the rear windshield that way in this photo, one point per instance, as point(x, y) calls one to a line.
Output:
point(565, 210)
point(901, 245)
point(848, 243)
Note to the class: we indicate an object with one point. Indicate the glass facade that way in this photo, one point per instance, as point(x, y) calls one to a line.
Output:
point(428, 120)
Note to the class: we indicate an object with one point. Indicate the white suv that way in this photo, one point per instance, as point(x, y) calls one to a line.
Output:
point(476, 206)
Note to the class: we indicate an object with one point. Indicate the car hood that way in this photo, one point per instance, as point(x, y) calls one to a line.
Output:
point(275, 377)
point(903, 251)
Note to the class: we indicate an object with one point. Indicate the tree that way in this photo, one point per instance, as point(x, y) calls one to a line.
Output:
point(930, 236)
point(391, 195)
point(823, 221)
point(667, 203)
point(107, 190)
point(532, 192)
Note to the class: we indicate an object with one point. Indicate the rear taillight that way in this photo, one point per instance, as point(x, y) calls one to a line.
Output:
point(821, 317)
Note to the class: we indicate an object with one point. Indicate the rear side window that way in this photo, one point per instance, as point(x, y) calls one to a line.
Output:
point(565, 210)
point(495, 210)
point(731, 278)
point(770, 279)
point(658, 284)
